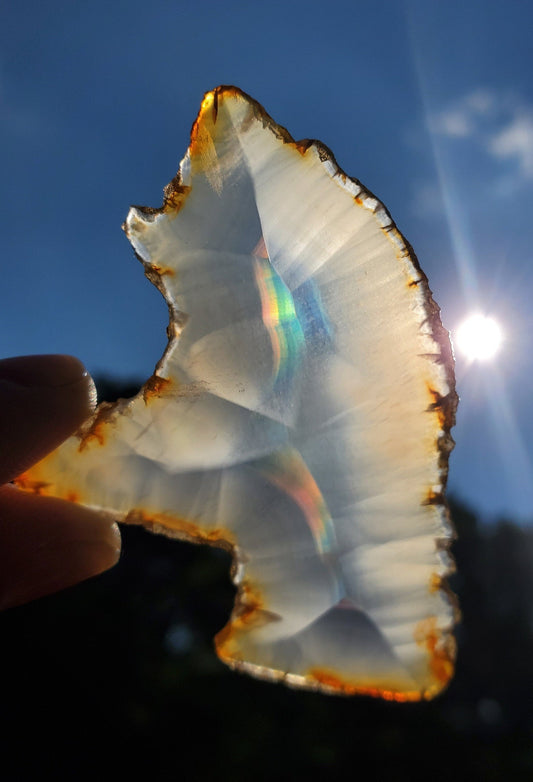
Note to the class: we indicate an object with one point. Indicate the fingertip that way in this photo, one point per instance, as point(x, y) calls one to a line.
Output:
point(43, 400)
point(46, 370)
point(50, 544)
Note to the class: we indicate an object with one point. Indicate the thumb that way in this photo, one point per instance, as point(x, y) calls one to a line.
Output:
point(48, 544)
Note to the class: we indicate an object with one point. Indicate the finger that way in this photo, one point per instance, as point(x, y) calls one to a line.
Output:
point(48, 544)
point(43, 399)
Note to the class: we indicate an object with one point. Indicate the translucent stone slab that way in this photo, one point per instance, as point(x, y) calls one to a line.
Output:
point(300, 415)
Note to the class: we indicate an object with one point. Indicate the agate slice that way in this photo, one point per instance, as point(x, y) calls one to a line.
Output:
point(300, 415)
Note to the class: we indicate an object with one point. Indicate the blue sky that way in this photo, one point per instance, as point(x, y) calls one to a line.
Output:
point(429, 104)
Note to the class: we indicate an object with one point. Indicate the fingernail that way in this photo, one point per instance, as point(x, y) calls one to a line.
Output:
point(51, 371)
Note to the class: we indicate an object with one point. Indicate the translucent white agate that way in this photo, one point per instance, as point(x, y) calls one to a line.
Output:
point(300, 415)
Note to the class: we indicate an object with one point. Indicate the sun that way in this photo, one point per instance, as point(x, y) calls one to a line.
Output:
point(479, 338)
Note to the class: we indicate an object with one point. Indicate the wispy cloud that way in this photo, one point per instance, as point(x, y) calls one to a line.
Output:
point(516, 141)
point(461, 119)
point(501, 124)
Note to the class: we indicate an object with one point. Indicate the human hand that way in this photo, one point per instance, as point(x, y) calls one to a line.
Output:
point(46, 544)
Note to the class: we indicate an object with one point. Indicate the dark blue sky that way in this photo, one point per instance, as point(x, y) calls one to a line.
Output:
point(429, 104)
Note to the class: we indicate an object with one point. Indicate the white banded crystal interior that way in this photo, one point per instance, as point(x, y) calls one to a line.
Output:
point(303, 422)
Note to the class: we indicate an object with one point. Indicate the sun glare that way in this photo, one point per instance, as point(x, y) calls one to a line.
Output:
point(479, 338)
